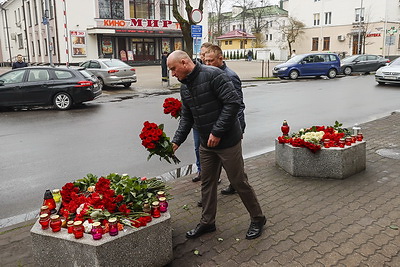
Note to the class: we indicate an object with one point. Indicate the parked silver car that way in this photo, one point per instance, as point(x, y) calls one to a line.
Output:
point(389, 74)
point(111, 72)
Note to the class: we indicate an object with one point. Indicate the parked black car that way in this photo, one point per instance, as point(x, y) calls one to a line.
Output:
point(362, 63)
point(58, 86)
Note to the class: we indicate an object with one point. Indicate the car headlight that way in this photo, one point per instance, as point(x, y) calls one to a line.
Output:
point(284, 68)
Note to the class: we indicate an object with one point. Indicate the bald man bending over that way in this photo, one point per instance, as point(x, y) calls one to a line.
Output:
point(211, 104)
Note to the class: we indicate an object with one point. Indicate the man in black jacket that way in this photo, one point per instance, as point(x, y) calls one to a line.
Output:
point(214, 57)
point(211, 104)
point(20, 63)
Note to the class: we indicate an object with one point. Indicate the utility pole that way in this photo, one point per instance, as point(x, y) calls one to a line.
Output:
point(361, 18)
point(46, 22)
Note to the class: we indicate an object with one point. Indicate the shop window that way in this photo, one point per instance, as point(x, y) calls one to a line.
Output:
point(327, 41)
point(143, 9)
point(166, 10)
point(314, 44)
point(111, 9)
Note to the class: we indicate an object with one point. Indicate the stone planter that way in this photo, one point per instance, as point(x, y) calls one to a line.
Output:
point(145, 246)
point(337, 163)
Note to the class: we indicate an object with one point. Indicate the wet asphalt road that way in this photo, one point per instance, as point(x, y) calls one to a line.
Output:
point(44, 148)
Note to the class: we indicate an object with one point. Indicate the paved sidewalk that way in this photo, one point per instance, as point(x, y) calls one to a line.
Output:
point(311, 222)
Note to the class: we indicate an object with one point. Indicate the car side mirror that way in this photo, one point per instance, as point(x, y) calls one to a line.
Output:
point(303, 62)
point(356, 61)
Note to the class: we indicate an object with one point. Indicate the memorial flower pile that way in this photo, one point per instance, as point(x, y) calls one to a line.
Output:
point(156, 142)
point(313, 138)
point(97, 199)
point(172, 106)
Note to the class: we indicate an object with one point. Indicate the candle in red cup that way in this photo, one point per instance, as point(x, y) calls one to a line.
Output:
point(360, 137)
point(113, 226)
point(70, 227)
point(348, 141)
point(97, 231)
point(55, 223)
point(79, 229)
point(44, 220)
point(155, 209)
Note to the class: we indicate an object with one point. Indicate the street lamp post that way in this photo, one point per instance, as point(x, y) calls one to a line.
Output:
point(360, 19)
point(46, 22)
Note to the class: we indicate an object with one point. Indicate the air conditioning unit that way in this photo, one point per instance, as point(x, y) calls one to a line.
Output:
point(341, 38)
point(13, 36)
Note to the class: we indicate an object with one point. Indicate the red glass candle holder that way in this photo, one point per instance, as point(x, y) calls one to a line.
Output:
point(163, 204)
point(97, 231)
point(70, 227)
point(44, 220)
point(326, 143)
point(48, 201)
point(79, 229)
point(360, 137)
point(45, 210)
point(55, 223)
point(113, 226)
point(160, 194)
point(147, 209)
point(342, 142)
point(155, 209)
point(353, 138)
point(348, 141)
point(285, 128)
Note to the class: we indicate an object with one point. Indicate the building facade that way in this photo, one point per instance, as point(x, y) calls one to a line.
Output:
point(263, 22)
point(69, 32)
point(347, 27)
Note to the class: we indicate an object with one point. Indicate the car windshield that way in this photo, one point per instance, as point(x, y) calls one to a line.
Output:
point(85, 73)
point(295, 59)
point(349, 59)
point(115, 63)
point(395, 62)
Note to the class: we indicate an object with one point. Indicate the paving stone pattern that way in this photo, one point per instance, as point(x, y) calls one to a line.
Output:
point(311, 222)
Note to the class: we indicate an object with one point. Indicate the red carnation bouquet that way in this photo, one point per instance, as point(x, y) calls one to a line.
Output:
point(156, 142)
point(172, 106)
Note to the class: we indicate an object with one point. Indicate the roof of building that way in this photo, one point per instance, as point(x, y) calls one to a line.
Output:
point(236, 34)
point(266, 11)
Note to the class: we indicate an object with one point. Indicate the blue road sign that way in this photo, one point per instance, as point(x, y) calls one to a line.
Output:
point(197, 31)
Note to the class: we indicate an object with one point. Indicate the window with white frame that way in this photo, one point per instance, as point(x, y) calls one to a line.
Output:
point(359, 14)
point(316, 19)
point(328, 18)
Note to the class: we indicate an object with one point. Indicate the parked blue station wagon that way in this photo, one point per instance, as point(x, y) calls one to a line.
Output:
point(317, 64)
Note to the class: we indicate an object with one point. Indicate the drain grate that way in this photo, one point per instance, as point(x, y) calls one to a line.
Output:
point(392, 153)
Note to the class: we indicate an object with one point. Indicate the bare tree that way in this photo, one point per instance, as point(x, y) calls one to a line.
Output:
point(291, 30)
point(186, 23)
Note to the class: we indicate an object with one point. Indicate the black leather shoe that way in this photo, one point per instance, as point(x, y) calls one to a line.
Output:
point(228, 191)
point(197, 178)
point(199, 203)
point(200, 229)
point(255, 229)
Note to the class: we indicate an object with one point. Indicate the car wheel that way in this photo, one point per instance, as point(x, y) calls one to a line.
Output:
point(101, 82)
point(62, 101)
point(293, 74)
point(347, 71)
point(126, 85)
point(332, 73)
